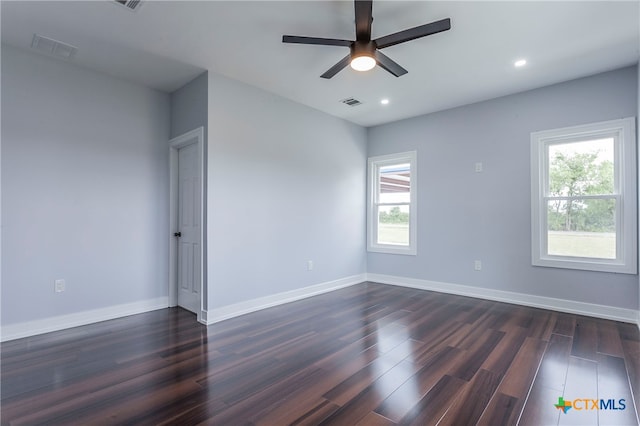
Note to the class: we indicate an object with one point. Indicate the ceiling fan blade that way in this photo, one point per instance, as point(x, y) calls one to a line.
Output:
point(364, 18)
point(413, 33)
point(337, 67)
point(389, 64)
point(316, 40)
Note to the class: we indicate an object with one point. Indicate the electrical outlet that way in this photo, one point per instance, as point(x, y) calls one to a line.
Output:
point(477, 265)
point(309, 265)
point(478, 167)
point(59, 286)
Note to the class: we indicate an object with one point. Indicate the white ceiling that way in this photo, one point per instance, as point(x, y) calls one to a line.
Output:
point(167, 43)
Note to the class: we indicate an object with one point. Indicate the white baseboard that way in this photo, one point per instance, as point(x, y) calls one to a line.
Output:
point(32, 328)
point(562, 305)
point(46, 325)
point(237, 309)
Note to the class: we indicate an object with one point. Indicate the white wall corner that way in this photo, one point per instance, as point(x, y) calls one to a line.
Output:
point(203, 318)
point(230, 311)
point(562, 305)
point(61, 322)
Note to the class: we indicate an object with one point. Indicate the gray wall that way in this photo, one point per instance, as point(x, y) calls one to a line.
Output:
point(286, 185)
point(189, 106)
point(84, 189)
point(465, 215)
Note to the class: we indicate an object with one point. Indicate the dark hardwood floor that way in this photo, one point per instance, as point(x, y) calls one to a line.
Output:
point(369, 354)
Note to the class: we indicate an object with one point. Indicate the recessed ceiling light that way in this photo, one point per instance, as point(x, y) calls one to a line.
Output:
point(384, 101)
point(520, 63)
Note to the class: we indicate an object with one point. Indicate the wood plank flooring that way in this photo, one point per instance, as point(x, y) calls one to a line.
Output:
point(370, 354)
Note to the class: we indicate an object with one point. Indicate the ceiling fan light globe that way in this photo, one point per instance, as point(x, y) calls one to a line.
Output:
point(363, 63)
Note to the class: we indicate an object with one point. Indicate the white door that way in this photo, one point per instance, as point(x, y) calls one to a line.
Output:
point(188, 234)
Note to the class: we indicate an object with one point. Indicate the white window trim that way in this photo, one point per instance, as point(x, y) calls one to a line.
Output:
point(374, 164)
point(626, 193)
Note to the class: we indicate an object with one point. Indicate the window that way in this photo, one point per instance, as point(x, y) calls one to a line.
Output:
point(583, 197)
point(392, 205)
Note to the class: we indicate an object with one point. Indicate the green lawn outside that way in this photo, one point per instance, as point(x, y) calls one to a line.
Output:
point(393, 233)
point(580, 244)
point(583, 244)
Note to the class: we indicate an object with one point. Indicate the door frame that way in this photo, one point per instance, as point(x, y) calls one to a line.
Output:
point(195, 136)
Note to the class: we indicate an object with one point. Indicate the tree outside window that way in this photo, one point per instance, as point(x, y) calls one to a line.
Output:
point(581, 204)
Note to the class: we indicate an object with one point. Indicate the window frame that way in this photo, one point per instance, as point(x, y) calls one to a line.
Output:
point(374, 165)
point(625, 194)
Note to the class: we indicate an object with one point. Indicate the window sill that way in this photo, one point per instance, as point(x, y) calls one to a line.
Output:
point(592, 265)
point(407, 251)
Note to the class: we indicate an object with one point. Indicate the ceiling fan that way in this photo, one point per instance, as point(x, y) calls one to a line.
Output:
point(364, 52)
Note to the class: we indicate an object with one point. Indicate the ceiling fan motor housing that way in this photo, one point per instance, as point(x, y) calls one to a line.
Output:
point(363, 48)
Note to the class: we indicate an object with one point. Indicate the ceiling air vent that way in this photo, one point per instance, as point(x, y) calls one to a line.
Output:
point(53, 47)
point(132, 5)
point(351, 102)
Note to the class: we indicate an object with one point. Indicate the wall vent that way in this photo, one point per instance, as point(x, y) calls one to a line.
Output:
point(351, 102)
point(132, 5)
point(53, 47)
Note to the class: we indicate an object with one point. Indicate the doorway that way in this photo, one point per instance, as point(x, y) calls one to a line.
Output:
point(186, 201)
